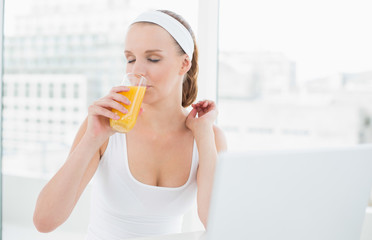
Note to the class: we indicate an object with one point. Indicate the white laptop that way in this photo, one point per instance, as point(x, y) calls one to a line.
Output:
point(318, 194)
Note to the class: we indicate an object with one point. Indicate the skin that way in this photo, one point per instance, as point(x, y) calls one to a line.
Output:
point(163, 126)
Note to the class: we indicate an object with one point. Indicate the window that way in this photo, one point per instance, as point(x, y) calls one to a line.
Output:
point(39, 90)
point(53, 49)
point(16, 89)
point(5, 91)
point(63, 90)
point(296, 74)
point(51, 90)
point(76, 90)
point(27, 94)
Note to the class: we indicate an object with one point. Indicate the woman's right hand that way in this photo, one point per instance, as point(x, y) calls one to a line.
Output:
point(99, 112)
point(59, 197)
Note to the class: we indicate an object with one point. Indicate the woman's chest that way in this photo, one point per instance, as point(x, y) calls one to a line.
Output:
point(160, 162)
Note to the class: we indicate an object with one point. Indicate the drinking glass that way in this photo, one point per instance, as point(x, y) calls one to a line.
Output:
point(137, 89)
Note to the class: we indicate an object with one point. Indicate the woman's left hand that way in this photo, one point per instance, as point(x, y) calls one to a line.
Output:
point(207, 113)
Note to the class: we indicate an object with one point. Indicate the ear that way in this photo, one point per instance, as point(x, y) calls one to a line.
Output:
point(186, 65)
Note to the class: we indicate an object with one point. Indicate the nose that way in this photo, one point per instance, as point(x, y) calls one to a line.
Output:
point(138, 67)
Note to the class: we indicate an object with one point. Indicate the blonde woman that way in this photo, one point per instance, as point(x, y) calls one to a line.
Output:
point(146, 179)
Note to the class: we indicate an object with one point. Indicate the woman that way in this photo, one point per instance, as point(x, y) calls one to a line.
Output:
point(146, 179)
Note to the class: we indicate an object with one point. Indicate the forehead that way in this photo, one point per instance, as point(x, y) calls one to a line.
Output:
point(147, 35)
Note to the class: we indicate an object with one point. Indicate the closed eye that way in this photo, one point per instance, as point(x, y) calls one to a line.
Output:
point(153, 60)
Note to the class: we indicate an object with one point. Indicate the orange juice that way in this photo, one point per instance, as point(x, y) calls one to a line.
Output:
point(127, 121)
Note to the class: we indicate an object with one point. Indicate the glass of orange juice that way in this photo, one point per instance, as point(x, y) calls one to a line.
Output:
point(137, 89)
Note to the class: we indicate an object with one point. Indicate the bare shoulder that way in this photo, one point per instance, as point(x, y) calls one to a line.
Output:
point(220, 139)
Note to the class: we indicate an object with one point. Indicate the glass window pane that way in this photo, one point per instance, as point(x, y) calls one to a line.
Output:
point(63, 61)
point(59, 56)
point(295, 74)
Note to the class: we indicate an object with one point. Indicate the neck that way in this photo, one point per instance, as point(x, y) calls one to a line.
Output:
point(163, 117)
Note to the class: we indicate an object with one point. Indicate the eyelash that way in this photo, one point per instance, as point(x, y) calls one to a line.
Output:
point(153, 60)
point(149, 59)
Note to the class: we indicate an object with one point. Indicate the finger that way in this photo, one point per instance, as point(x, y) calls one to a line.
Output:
point(119, 89)
point(212, 103)
point(120, 98)
point(95, 110)
point(108, 103)
point(207, 108)
point(198, 103)
point(192, 113)
point(209, 105)
point(212, 106)
point(193, 105)
point(202, 104)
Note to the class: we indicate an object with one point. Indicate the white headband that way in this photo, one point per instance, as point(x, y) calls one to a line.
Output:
point(173, 27)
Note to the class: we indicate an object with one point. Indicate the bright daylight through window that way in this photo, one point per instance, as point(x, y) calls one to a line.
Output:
point(58, 58)
point(295, 74)
point(290, 74)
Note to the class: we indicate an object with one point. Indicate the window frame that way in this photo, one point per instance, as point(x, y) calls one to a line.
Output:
point(1, 111)
point(208, 25)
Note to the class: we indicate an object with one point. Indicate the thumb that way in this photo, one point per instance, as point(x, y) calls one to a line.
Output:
point(192, 113)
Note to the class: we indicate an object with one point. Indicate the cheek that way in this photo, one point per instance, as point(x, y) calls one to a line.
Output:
point(162, 73)
point(171, 70)
point(128, 68)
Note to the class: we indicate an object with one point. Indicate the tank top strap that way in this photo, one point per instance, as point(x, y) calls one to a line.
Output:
point(115, 152)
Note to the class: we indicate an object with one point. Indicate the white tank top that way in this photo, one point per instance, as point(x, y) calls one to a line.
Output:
point(123, 207)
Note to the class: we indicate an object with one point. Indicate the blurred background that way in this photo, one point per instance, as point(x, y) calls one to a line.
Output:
point(285, 74)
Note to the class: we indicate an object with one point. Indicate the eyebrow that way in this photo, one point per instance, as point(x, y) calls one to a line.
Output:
point(147, 51)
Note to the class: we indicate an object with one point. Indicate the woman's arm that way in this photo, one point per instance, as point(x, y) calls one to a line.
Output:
point(60, 195)
point(210, 141)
